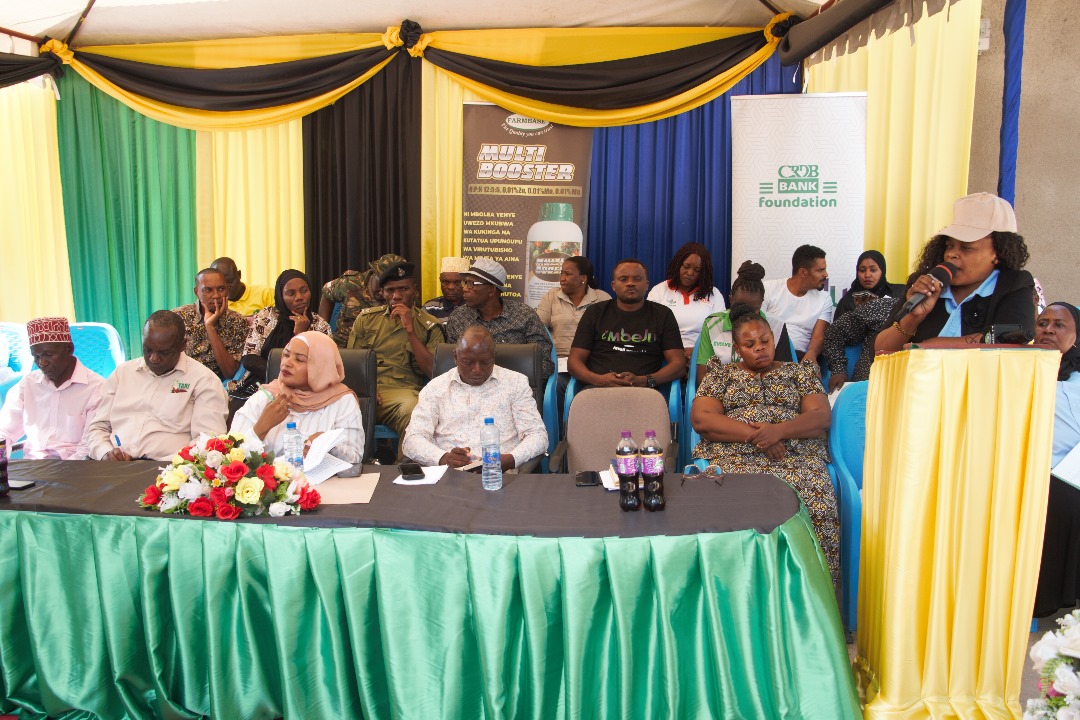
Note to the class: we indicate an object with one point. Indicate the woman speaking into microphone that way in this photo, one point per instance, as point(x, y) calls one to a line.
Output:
point(989, 285)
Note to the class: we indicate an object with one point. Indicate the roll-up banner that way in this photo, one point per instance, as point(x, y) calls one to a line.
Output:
point(798, 177)
point(523, 196)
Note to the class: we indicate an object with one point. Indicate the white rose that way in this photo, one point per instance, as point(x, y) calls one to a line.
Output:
point(279, 509)
point(1069, 620)
point(1065, 681)
point(1069, 643)
point(292, 495)
point(191, 490)
point(214, 458)
point(1045, 650)
point(1069, 712)
point(169, 501)
point(187, 470)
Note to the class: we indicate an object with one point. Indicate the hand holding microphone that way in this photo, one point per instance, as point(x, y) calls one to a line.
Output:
point(925, 290)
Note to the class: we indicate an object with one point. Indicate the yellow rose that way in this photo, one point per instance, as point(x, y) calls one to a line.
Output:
point(281, 470)
point(238, 437)
point(177, 460)
point(237, 455)
point(171, 480)
point(249, 490)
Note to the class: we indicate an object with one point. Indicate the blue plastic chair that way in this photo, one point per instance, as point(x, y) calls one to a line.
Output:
point(19, 358)
point(847, 444)
point(98, 346)
point(852, 352)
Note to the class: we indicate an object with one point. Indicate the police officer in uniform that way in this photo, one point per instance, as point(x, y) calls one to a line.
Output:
point(403, 338)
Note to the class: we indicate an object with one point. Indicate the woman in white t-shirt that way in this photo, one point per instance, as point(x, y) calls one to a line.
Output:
point(689, 292)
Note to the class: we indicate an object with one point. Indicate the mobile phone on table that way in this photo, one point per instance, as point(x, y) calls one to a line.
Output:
point(587, 478)
point(21, 484)
point(411, 471)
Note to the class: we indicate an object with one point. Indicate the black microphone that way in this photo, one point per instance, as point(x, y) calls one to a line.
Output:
point(943, 273)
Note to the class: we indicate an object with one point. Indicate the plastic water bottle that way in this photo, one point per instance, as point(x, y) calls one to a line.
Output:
point(489, 449)
point(626, 467)
point(652, 472)
point(294, 446)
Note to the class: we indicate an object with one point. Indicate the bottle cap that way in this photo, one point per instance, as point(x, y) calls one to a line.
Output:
point(557, 211)
point(650, 433)
point(290, 426)
point(489, 421)
point(625, 433)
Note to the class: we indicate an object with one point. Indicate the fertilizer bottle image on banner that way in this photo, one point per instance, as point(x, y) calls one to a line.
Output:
point(550, 241)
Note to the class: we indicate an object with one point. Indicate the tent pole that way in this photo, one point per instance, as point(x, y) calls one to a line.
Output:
point(22, 36)
point(78, 23)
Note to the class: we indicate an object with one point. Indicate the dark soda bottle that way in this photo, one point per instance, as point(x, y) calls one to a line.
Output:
point(626, 467)
point(652, 472)
point(4, 487)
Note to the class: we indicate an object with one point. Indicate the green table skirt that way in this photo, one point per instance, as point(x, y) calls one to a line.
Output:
point(115, 617)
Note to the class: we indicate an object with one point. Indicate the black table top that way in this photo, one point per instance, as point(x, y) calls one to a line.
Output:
point(527, 505)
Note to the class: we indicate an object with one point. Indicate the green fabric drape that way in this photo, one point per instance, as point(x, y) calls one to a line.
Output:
point(154, 617)
point(129, 202)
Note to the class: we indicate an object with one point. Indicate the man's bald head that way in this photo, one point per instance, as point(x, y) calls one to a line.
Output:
point(474, 355)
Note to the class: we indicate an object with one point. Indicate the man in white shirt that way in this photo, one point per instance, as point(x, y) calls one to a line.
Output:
point(801, 303)
point(153, 406)
point(53, 404)
point(450, 412)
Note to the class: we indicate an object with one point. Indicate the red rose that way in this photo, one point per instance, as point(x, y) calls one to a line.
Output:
point(226, 511)
point(266, 474)
point(309, 499)
point(201, 507)
point(218, 496)
point(215, 444)
point(186, 454)
point(234, 471)
point(151, 495)
point(209, 473)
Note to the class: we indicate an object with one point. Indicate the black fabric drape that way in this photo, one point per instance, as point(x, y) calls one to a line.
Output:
point(15, 69)
point(362, 174)
point(243, 88)
point(607, 85)
point(811, 35)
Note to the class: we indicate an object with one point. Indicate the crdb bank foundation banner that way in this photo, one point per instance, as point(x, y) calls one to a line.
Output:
point(798, 177)
point(523, 195)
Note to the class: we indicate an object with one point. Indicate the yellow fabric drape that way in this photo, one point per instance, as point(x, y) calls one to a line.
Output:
point(954, 502)
point(250, 199)
point(920, 104)
point(204, 119)
point(239, 52)
point(440, 173)
point(573, 46)
point(35, 258)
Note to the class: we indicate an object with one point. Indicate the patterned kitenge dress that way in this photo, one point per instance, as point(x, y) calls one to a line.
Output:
point(772, 398)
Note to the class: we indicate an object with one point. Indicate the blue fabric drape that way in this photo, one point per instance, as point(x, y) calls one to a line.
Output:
point(1013, 28)
point(658, 185)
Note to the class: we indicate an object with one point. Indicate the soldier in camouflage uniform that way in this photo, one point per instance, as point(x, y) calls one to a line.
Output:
point(356, 291)
point(403, 338)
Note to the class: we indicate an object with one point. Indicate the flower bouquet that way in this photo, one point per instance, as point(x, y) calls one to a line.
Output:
point(1056, 658)
point(228, 476)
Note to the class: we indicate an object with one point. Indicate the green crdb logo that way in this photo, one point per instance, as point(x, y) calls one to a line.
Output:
point(802, 181)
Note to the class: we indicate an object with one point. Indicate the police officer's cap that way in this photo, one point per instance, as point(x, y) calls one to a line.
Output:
point(397, 271)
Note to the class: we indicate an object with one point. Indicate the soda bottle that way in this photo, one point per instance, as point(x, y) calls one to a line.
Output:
point(4, 487)
point(626, 467)
point(491, 472)
point(652, 471)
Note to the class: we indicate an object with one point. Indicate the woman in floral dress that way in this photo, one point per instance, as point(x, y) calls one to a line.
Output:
point(763, 416)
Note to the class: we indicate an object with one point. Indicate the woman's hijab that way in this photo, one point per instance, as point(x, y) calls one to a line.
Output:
point(325, 373)
point(883, 288)
point(1070, 361)
point(283, 331)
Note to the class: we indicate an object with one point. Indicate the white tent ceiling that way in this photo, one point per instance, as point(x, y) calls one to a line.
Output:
point(139, 21)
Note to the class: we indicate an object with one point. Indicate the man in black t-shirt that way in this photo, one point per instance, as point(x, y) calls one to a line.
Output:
point(625, 342)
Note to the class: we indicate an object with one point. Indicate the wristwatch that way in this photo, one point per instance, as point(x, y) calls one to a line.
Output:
point(650, 381)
